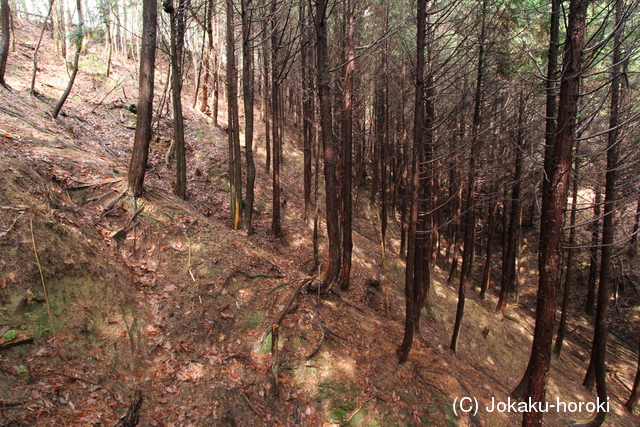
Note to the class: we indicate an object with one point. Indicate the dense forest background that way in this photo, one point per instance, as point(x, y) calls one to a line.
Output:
point(330, 212)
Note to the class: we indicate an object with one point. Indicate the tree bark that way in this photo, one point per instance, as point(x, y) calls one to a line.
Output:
point(509, 261)
point(307, 110)
point(177, 46)
point(248, 91)
point(568, 277)
point(411, 293)
point(277, 122)
point(329, 146)
point(347, 240)
point(592, 287)
point(599, 349)
point(550, 134)
point(554, 202)
point(486, 274)
point(470, 216)
point(204, 98)
point(145, 99)
point(235, 157)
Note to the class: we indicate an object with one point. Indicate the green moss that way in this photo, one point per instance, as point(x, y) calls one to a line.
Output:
point(10, 335)
point(253, 320)
point(341, 397)
point(265, 346)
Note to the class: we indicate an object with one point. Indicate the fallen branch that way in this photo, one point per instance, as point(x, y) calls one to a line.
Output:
point(115, 200)
point(284, 311)
point(6, 405)
point(276, 288)
point(349, 303)
point(253, 408)
point(22, 337)
point(359, 409)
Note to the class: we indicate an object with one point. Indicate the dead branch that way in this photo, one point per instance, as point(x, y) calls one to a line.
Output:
point(253, 408)
point(115, 200)
point(7, 405)
point(22, 337)
point(284, 311)
point(349, 303)
point(360, 408)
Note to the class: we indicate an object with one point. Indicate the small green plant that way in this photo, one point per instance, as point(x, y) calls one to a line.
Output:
point(10, 335)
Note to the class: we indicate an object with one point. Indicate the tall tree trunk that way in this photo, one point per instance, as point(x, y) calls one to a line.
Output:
point(568, 277)
point(550, 136)
point(347, 241)
point(248, 91)
point(329, 149)
point(509, 262)
point(177, 47)
point(277, 120)
point(107, 25)
point(216, 85)
point(204, 98)
point(411, 293)
point(145, 99)
point(307, 109)
point(59, 30)
point(79, 36)
point(554, 202)
point(268, 87)
point(599, 349)
point(486, 274)
point(6, 35)
point(470, 216)
point(235, 156)
point(592, 287)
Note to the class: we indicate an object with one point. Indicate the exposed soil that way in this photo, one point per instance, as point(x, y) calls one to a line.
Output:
point(164, 298)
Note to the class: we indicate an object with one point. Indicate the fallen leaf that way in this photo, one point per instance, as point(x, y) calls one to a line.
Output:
point(12, 277)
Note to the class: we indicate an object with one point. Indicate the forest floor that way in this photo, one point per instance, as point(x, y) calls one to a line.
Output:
point(165, 298)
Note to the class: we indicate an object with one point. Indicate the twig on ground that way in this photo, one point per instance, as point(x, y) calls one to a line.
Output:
point(253, 408)
point(360, 408)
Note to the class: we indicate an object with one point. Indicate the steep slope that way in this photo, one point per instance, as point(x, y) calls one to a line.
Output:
point(163, 297)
